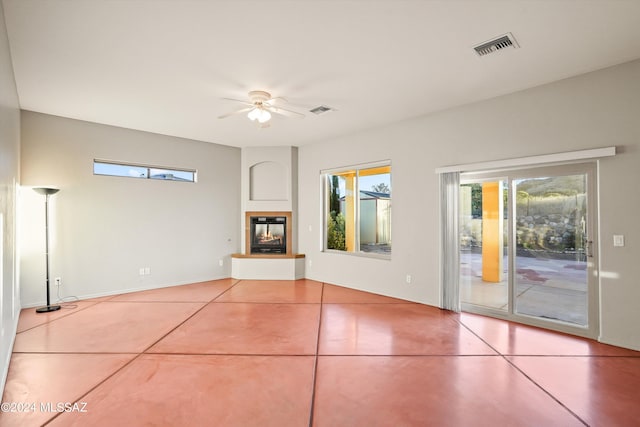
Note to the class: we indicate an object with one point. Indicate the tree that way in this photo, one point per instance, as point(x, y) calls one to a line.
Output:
point(476, 200)
point(381, 188)
point(334, 198)
point(335, 232)
point(335, 221)
point(522, 196)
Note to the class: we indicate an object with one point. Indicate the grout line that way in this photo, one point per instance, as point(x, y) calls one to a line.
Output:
point(161, 302)
point(189, 318)
point(267, 302)
point(137, 356)
point(371, 303)
point(576, 356)
point(231, 354)
point(548, 393)
point(97, 385)
point(435, 355)
point(315, 361)
point(223, 292)
point(109, 299)
point(77, 310)
point(506, 359)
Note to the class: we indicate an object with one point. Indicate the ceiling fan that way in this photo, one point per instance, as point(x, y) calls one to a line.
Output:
point(260, 106)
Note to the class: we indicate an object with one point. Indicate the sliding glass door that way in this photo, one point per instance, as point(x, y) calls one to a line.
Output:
point(528, 247)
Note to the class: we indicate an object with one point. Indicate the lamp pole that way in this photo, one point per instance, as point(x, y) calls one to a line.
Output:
point(47, 192)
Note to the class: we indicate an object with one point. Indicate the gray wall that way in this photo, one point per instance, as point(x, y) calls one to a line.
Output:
point(9, 181)
point(104, 229)
point(594, 110)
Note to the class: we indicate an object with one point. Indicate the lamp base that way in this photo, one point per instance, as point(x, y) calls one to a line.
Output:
point(47, 308)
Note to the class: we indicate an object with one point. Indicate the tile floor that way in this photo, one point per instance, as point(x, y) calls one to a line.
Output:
point(284, 353)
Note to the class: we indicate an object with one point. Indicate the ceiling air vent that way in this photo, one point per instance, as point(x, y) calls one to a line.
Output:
point(496, 44)
point(321, 109)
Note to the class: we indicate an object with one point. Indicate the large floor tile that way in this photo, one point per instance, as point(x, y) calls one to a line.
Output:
point(109, 327)
point(338, 294)
point(171, 390)
point(274, 291)
point(387, 329)
point(30, 319)
point(246, 328)
point(195, 292)
point(40, 380)
point(603, 391)
point(430, 391)
point(516, 339)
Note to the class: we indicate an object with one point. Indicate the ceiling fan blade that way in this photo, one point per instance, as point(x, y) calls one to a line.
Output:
point(284, 112)
point(245, 102)
point(242, 110)
point(276, 100)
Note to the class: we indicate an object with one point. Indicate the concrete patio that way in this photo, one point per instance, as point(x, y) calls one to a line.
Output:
point(545, 287)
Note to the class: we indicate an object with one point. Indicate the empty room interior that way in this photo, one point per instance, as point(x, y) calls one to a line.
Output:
point(327, 213)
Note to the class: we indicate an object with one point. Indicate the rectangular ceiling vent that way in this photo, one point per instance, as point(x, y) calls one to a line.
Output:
point(496, 44)
point(321, 109)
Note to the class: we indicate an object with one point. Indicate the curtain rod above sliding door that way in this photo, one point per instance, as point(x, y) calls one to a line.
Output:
point(531, 160)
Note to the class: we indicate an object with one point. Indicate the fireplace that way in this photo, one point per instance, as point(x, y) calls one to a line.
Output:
point(268, 233)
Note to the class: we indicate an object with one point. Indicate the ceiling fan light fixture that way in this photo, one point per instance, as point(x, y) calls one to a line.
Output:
point(253, 114)
point(264, 117)
point(259, 114)
point(261, 107)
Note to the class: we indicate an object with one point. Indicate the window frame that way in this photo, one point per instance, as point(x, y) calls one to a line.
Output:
point(325, 177)
point(148, 168)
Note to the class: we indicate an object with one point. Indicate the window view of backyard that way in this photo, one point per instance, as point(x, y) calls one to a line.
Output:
point(358, 214)
point(551, 250)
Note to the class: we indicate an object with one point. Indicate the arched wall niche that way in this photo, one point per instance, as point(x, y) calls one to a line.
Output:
point(268, 182)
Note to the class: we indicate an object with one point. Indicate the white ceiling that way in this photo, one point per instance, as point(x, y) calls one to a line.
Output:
point(164, 65)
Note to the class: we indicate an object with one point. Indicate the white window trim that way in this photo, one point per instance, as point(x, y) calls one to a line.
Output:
point(324, 188)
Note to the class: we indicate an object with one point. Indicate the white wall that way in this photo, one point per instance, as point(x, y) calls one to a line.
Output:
point(9, 180)
point(104, 229)
point(590, 111)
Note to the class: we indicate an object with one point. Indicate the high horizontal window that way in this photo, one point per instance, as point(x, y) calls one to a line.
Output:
point(102, 167)
point(357, 212)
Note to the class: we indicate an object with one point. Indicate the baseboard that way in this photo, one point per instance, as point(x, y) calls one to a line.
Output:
point(8, 350)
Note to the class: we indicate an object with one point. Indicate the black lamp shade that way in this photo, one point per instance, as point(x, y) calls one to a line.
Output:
point(46, 191)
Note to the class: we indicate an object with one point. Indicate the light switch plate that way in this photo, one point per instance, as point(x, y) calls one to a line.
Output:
point(618, 240)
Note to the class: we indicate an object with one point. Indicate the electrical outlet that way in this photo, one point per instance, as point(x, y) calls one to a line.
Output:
point(147, 270)
point(409, 278)
point(142, 271)
point(618, 240)
point(58, 281)
point(220, 262)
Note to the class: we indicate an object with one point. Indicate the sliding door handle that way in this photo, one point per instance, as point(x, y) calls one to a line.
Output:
point(589, 248)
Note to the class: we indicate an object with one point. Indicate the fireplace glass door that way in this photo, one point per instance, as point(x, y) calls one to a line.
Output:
point(268, 235)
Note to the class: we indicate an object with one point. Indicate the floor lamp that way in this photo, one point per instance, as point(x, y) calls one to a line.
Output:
point(47, 192)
